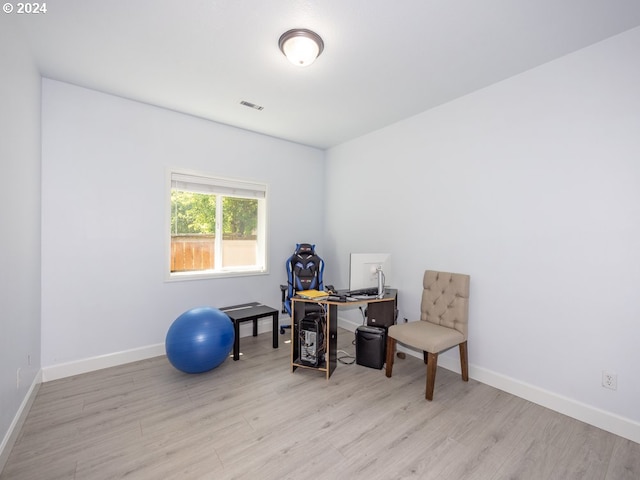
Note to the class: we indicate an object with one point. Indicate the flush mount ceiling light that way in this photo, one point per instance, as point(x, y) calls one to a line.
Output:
point(301, 46)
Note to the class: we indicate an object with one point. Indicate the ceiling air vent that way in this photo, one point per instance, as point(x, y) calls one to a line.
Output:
point(251, 105)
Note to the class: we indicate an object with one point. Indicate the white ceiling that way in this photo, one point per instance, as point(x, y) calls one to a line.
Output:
point(384, 60)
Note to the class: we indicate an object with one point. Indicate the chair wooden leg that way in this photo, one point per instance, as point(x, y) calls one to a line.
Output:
point(464, 361)
point(431, 374)
point(391, 351)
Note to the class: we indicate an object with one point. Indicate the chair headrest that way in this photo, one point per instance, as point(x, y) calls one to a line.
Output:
point(305, 249)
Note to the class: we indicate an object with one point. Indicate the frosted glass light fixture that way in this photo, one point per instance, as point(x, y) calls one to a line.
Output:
point(301, 46)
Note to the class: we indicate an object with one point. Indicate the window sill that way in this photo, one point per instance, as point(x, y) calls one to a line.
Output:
point(210, 274)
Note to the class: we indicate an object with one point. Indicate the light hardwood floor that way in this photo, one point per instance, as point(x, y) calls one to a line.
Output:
point(254, 419)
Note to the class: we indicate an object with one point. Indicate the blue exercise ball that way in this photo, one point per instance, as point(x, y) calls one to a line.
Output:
point(199, 340)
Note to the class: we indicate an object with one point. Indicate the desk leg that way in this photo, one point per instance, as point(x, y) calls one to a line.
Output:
point(236, 340)
point(332, 341)
point(255, 327)
point(275, 329)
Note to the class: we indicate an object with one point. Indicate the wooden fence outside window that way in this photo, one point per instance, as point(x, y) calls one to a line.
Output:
point(196, 252)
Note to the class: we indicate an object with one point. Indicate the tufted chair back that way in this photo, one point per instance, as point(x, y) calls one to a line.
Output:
point(445, 300)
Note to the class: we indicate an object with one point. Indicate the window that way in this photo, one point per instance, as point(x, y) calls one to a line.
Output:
point(218, 226)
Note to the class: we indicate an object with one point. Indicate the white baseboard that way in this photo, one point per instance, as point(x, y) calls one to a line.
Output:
point(348, 324)
point(611, 422)
point(616, 424)
point(85, 365)
point(16, 425)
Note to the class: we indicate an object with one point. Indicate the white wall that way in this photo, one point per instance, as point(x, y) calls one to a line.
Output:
point(19, 229)
point(103, 228)
point(531, 186)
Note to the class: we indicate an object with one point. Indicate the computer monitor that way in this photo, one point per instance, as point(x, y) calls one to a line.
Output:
point(363, 272)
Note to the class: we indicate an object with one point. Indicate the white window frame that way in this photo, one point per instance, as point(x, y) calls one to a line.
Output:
point(208, 183)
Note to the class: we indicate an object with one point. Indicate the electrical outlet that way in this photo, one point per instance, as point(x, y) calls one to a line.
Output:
point(609, 380)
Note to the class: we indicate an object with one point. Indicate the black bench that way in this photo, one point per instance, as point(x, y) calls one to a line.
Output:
point(250, 312)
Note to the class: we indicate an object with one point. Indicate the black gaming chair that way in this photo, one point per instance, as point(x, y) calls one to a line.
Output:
point(304, 272)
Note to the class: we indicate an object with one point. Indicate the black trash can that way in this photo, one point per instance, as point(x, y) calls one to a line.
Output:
point(370, 346)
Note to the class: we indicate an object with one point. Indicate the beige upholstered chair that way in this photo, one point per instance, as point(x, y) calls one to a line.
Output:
point(444, 314)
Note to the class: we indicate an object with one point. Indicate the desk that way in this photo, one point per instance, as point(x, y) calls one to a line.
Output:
point(250, 312)
point(331, 327)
